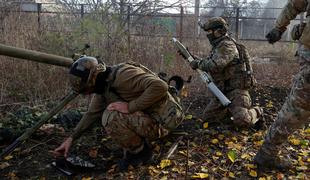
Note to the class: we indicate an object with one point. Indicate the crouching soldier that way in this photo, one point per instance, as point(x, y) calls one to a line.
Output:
point(134, 105)
point(230, 67)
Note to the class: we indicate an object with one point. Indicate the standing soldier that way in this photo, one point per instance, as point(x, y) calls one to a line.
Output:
point(134, 104)
point(230, 67)
point(296, 110)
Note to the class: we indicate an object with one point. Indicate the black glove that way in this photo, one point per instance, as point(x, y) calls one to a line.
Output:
point(274, 35)
point(194, 64)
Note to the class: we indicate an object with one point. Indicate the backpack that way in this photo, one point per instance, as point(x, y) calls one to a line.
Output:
point(244, 57)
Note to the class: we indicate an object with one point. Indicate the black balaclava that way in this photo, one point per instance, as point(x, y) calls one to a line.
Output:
point(101, 81)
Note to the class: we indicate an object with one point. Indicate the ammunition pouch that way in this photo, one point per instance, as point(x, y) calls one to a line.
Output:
point(297, 31)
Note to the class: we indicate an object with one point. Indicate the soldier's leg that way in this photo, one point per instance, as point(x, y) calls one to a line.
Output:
point(244, 115)
point(128, 130)
point(293, 115)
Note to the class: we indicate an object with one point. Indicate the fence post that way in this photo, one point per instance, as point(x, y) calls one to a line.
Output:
point(197, 4)
point(82, 10)
point(39, 6)
point(181, 24)
point(237, 23)
point(128, 29)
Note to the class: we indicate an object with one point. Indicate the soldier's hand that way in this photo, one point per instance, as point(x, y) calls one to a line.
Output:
point(274, 35)
point(119, 106)
point(194, 64)
point(63, 149)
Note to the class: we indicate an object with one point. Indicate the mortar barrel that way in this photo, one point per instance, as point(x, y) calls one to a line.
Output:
point(35, 56)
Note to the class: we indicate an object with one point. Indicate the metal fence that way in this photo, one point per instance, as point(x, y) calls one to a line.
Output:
point(245, 23)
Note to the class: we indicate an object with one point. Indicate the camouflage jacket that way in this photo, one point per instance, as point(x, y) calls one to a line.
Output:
point(142, 90)
point(224, 66)
point(290, 11)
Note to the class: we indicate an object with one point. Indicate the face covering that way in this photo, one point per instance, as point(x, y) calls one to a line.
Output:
point(211, 38)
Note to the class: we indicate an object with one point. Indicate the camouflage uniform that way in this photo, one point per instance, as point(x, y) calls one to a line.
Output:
point(228, 74)
point(153, 111)
point(295, 112)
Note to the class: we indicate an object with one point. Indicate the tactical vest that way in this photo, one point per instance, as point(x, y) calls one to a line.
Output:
point(242, 75)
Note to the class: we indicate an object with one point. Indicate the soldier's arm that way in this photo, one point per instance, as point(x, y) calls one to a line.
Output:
point(94, 113)
point(290, 11)
point(225, 53)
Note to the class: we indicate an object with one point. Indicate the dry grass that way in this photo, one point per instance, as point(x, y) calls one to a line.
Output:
point(29, 82)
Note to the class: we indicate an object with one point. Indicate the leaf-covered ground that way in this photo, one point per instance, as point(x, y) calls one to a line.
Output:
point(206, 150)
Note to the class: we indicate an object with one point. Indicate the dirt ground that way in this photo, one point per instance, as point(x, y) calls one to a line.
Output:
point(206, 151)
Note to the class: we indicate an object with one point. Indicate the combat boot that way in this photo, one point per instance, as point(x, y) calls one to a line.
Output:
point(141, 158)
point(260, 122)
point(267, 162)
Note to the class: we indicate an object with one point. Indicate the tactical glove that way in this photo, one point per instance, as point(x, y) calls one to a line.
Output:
point(194, 64)
point(274, 35)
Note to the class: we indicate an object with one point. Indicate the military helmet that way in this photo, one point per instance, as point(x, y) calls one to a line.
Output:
point(83, 73)
point(215, 23)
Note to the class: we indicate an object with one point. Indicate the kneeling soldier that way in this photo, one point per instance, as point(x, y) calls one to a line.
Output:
point(134, 104)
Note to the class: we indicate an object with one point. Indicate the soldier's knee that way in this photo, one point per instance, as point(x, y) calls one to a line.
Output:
point(110, 117)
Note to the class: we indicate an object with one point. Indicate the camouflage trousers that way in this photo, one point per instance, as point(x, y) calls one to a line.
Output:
point(130, 130)
point(240, 109)
point(295, 112)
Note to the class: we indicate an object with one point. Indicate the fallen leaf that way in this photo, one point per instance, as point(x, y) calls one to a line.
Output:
point(8, 157)
point(164, 178)
point(253, 173)
point(200, 175)
point(232, 155)
point(218, 153)
point(86, 178)
point(205, 125)
point(165, 163)
point(294, 141)
point(245, 156)
point(189, 117)
point(215, 141)
point(269, 104)
point(301, 168)
point(231, 174)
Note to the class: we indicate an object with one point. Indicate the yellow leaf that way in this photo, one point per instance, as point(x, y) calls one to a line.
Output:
point(189, 117)
point(245, 156)
point(215, 141)
point(231, 174)
point(200, 175)
point(259, 143)
point(86, 178)
point(164, 178)
point(183, 153)
point(269, 104)
point(205, 125)
point(218, 153)
point(262, 178)
point(250, 166)
point(253, 173)
point(165, 163)
point(308, 160)
point(8, 157)
point(301, 168)
point(307, 131)
point(294, 141)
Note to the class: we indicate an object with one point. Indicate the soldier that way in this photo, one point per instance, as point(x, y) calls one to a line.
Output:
point(229, 66)
point(295, 112)
point(134, 104)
